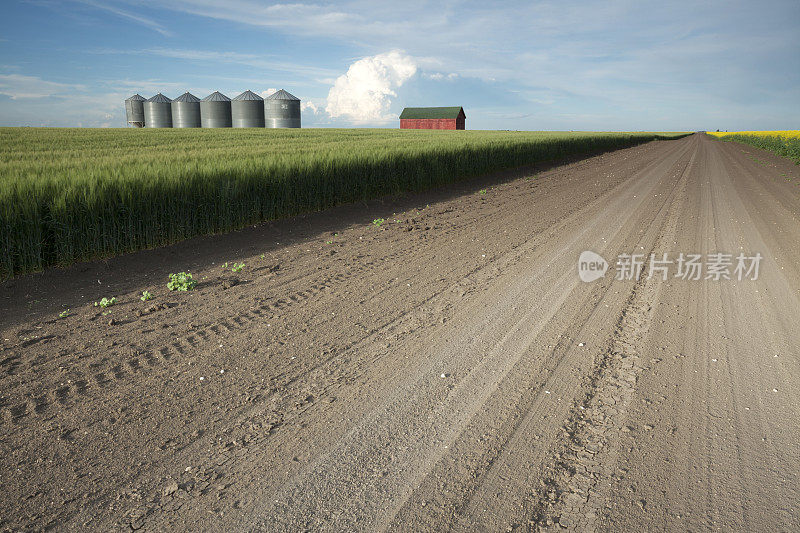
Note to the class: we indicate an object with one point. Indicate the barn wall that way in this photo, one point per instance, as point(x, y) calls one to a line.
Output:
point(430, 124)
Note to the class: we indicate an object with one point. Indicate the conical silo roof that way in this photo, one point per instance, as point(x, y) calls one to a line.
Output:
point(216, 96)
point(187, 97)
point(160, 99)
point(282, 95)
point(136, 97)
point(248, 95)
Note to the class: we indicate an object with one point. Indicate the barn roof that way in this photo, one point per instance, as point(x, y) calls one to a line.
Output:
point(431, 112)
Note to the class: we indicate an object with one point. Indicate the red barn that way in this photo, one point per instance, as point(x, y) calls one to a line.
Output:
point(433, 118)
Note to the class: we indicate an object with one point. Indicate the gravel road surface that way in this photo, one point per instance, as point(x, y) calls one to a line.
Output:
point(447, 369)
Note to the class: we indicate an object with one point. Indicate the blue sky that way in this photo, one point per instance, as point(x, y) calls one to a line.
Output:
point(585, 65)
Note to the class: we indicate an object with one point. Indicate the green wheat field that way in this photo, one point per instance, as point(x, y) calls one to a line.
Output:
point(73, 194)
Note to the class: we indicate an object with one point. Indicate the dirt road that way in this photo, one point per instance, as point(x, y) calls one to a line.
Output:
point(447, 369)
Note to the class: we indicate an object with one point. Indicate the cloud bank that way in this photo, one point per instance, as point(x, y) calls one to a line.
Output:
point(17, 86)
point(364, 93)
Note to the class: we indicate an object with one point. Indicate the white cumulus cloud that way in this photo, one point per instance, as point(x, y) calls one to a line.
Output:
point(309, 106)
point(365, 92)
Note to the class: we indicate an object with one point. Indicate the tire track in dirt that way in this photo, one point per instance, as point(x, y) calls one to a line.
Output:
point(574, 493)
point(488, 370)
point(77, 385)
point(366, 351)
point(487, 473)
point(107, 375)
point(717, 439)
point(140, 358)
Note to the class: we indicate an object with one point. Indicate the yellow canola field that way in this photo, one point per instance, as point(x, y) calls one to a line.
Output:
point(787, 134)
point(784, 143)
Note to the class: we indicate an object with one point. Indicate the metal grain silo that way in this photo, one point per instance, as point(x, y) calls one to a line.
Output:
point(158, 112)
point(247, 110)
point(134, 110)
point(282, 110)
point(186, 111)
point(215, 111)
